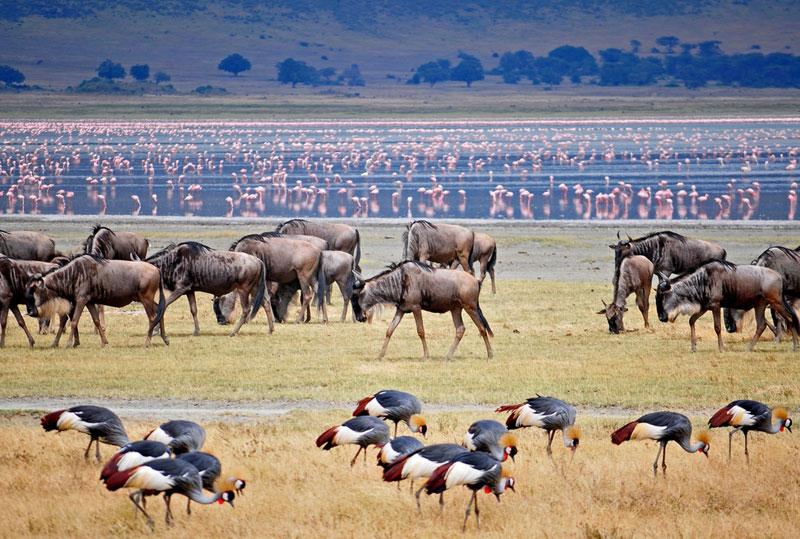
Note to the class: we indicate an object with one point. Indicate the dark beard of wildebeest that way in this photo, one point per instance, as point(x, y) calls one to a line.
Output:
point(88, 281)
point(787, 263)
point(106, 243)
point(286, 261)
point(439, 243)
point(636, 276)
point(24, 245)
point(14, 277)
point(412, 287)
point(721, 284)
point(191, 267)
point(340, 237)
point(669, 252)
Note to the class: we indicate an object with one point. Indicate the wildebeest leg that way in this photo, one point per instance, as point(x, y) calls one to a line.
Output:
point(178, 292)
point(267, 305)
point(463, 259)
point(96, 319)
point(244, 299)
point(76, 317)
point(458, 322)
point(779, 308)
point(761, 324)
point(307, 295)
point(421, 333)
point(718, 326)
point(21, 322)
point(481, 328)
point(193, 310)
point(398, 316)
point(491, 276)
point(151, 309)
point(102, 311)
point(484, 262)
point(692, 320)
point(643, 302)
point(62, 323)
point(345, 300)
point(44, 326)
point(3, 321)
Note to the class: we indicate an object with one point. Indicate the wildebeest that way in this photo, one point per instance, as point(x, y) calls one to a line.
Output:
point(440, 243)
point(340, 237)
point(88, 281)
point(722, 284)
point(286, 261)
point(670, 253)
point(635, 276)
point(27, 245)
point(787, 263)
point(14, 277)
point(484, 251)
point(191, 267)
point(413, 287)
point(115, 245)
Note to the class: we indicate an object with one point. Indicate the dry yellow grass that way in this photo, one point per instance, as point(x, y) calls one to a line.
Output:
point(297, 490)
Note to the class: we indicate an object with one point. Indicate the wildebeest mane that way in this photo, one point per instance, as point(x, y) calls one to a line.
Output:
point(104, 243)
point(253, 237)
point(397, 265)
point(194, 247)
point(411, 242)
point(67, 260)
point(668, 233)
point(769, 253)
point(272, 234)
point(297, 221)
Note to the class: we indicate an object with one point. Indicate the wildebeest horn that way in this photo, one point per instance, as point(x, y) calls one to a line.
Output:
point(604, 303)
point(629, 237)
point(618, 235)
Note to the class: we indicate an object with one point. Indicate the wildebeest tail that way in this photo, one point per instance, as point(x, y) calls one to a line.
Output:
point(261, 291)
point(321, 284)
point(357, 255)
point(162, 304)
point(472, 253)
point(405, 237)
point(350, 283)
point(484, 321)
point(730, 322)
point(492, 261)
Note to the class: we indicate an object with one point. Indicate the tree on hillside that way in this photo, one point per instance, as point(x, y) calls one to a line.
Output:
point(709, 48)
point(635, 45)
point(433, 72)
point(468, 70)
point(160, 77)
point(352, 76)
point(295, 72)
point(515, 65)
point(140, 72)
point(11, 76)
point(234, 63)
point(327, 76)
point(670, 42)
point(110, 70)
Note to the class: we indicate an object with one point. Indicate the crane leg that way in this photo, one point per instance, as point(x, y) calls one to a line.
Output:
point(550, 435)
point(395, 429)
point(441, 502)
point(411, 488)
point(466, 513)
point(730, 442)
point(353, 462)
point(416, 495)
point(134, 497)
point(477, 511)
point(88, 447)
point(664, 460)
point(655, 463)
point(168, 515)
point(746, 452)
point(188, 507)
point(97, 450)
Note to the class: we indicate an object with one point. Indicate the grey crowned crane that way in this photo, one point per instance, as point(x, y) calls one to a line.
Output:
point(360, 431)
point(397, 448)
point(747, 415)
point(491, 437)
point(421, 464)
point(210, 469)
point(101, 424)
point(167, 476)
point(134, 454)
point(179, 435)
point(475, 471)
point(396, 406)
point(547, 413)
point(663, 427)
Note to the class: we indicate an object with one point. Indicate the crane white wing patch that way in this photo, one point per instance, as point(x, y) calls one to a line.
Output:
point(346, 435)
point(740, 417)
point(468, 443)
point(72, 421)
point(134, 459)
point(528, 417)
point(159, 435)
point(646, 431)
point(388, 454)
point(417, 466)
point(462, 474)
point(375, 409)
point(149, 479)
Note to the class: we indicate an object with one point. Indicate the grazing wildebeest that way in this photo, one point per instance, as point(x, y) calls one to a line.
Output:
point(191, 267)
point(26, 245)
point(88, 281)
point(340, 237)
point(14, 277)
point(722, 284)
point(787, 263)
point(338, 267)
point(286, 261)
point(669, 252)
point(440, 243)
point(115, 245)
point(635, 276)
point(413, 286)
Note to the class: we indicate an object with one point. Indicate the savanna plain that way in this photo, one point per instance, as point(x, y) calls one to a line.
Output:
point(264, 398)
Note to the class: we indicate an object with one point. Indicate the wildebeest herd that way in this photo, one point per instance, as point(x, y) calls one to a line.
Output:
point(259, 270)
point(705, 281)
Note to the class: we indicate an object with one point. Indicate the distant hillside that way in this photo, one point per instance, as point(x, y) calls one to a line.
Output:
point(58, 43)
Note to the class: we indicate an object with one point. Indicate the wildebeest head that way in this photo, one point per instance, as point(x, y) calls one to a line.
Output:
point(614, 317)
point(671, 303)
point(223, 308)
point(356, 299)
point(622, 248)
point(41, 302)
